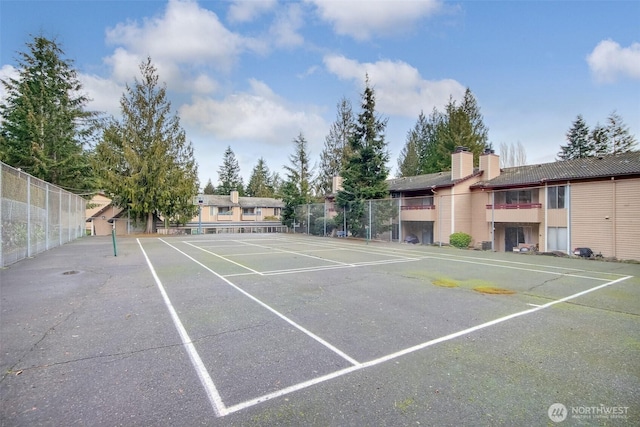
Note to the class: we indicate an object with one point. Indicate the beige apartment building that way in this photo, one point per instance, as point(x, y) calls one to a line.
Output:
point(235, 214)
point(217, 214)
point(559, 206)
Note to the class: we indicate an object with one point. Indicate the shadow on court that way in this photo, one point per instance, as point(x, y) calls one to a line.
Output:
point(295, 330)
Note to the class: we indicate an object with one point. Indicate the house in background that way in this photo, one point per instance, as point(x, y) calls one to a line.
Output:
point(218, 214)
point(235, 214)
point(592, 202)
point(101, 215)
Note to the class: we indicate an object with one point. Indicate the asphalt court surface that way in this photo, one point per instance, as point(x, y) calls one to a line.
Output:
point(290, 330)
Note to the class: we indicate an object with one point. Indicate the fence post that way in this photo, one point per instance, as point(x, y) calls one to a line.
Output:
point(28, 215)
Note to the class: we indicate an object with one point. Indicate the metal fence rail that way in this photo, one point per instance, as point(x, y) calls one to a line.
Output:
point(35, 216)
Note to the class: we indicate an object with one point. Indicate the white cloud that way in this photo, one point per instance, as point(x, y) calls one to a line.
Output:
point(364, 20)
point(247, 11)
point(258, 116)
point(182, 41)
point(104, 94)
point(7, 72)
point(399, 87)
point(284, 30)
point(608, 61)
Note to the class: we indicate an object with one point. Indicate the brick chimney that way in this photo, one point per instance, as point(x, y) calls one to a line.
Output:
point(489, 165)
point(461, 163)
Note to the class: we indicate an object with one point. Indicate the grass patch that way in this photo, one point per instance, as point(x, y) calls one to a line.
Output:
point(445, 283)
point(493, 290)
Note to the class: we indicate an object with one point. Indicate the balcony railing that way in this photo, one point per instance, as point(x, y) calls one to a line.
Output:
point(516, 206)
point(411, 207)
point(514, 212)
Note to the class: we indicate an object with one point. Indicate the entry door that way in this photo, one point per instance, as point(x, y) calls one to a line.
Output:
point(512, 237)
point(427, 233)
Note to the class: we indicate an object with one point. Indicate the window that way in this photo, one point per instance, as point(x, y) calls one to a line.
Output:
point(556, 197)
point(248, 211)
point(557, 239)
point(276, 211)
point(518, 197)
point(225, 210)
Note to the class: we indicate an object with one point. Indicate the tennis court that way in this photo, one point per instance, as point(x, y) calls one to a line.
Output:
point(289, 330)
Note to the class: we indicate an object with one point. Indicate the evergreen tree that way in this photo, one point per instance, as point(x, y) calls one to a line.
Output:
point(336, 148)
point(461, 126)
point(209, 188)
point(145, 161)
point(600, 139)
point(297, 187)
point(408, 160)
point(621, 141)
point(579, 144)
point(259, 184)
point(229, 178)
point(365, 174)
point(44, 127)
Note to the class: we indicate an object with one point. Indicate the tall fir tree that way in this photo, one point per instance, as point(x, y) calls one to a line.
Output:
point(408, 160)
point(44, 126)
point(579, 144)
point(209, 188)
point(365, 174)
point(146, 163)
point(229, 178)
point(333, 157)
point(296, 189)
point(620, 139)
point(259, 183)
point(599, 138)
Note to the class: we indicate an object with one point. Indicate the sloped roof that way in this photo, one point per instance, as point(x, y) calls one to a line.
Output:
point(260, 202)
point(626, 164)
point(247, 202)
point(421, 182)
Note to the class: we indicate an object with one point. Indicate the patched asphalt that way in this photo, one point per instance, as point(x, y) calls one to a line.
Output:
point(87, 338)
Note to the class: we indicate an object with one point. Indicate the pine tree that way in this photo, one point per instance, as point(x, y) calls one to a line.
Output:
point(365, 174)
point(229, 178)
point(296, 190)
point(579, 144)
point(209, 188)
point(145, 160)
point(45, 129)
point(336, 148)
point(621, 141)
point(599, 138)
point(408, 160)
point(259, 184)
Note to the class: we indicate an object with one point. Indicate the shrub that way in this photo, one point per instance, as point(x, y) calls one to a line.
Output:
point(460, 240)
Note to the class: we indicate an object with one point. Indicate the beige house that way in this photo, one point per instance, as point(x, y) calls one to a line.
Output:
point(217, 214)
point(101, 215)
point(235, 214)
point(559, 206)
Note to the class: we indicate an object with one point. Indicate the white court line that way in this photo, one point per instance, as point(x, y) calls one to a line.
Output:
point(453, 257)
point(274, 311)
point(297, 253)
point(456, 258)
point(209, 387)
point(318, 380)
point(221, 257)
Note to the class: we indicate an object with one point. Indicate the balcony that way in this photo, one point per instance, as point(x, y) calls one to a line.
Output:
point(225, 216)
point(521, 212)
point(418, 213)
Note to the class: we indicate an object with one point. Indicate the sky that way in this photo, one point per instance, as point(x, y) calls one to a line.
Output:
point(253, 75)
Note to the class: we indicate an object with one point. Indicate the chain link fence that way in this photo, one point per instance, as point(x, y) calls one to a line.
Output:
point(35, 216)
point(410, 219)
point(367, 219)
